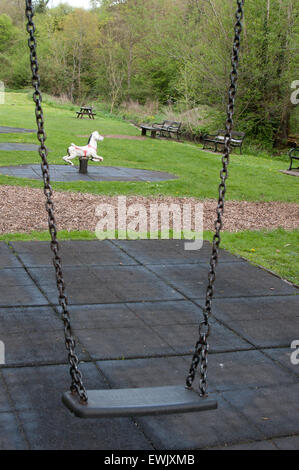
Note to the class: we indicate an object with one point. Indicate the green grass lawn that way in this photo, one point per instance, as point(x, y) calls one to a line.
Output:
point(276, 250)
point(252, 178)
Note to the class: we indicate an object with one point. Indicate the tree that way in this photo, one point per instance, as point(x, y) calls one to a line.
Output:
point(80, 37)
point(40, 6)
point(6, 31)
point(15, 9)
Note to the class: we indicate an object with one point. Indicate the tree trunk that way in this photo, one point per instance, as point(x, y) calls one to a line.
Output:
point(282, 133)
point(281, 138)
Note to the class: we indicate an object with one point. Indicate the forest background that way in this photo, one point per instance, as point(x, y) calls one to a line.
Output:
point(153, 59)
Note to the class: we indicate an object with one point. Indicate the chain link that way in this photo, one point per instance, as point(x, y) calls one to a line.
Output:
point(200, 356)
point(77, 383)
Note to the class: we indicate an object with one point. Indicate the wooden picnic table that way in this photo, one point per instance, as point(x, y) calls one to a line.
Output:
point(86, 111)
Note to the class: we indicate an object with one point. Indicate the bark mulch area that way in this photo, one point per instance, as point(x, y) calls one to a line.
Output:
point(23, 210)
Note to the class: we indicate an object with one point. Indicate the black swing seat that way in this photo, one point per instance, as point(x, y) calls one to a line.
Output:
point(138, 402)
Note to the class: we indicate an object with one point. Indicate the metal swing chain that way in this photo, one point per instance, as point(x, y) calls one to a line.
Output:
point(77, 384)
point(200, 355)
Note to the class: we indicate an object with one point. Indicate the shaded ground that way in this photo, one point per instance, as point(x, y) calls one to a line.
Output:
point(16, 130)
point(23, 210)
point(11, 147)
point(135, 309)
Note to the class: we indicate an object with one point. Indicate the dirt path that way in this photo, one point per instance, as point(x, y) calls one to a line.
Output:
point(23, 210)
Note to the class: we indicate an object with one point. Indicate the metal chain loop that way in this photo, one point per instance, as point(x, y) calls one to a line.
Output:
point(200, 355)
point(77, 383)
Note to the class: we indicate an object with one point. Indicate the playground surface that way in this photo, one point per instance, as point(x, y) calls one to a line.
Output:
point(68, 173)
point(135, 308)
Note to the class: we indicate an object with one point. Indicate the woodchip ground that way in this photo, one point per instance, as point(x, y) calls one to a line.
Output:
point(23, 210)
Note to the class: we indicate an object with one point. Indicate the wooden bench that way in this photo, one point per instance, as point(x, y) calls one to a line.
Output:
point(165, 129)
point(174, 128)
point(86, 111)
point(218, 139)
point(294, 155)
point(146, 127)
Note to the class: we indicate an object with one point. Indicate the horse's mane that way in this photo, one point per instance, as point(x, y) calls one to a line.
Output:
point(89, 139)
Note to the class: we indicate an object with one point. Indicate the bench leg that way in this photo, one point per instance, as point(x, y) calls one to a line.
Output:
point(153, 134)
point(143, 131)
point(291, 165)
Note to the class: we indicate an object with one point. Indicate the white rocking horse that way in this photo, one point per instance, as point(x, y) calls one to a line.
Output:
point(88, 151)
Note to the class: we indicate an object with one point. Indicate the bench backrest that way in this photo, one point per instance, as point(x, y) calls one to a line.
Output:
point(235, 135)
point(166, 124)
point(294, 152)
point(175, 125)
